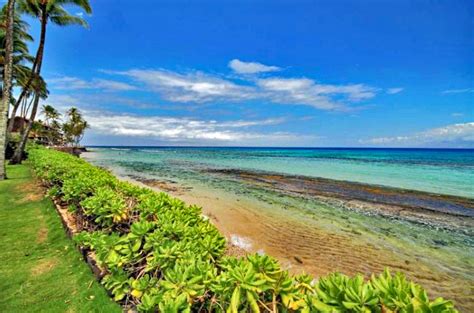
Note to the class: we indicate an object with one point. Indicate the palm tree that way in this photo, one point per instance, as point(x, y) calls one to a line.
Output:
point(38, 85)
point(21, 74)
point(75, 127)
point(7, 85)
point(50, 113)
point(21, 38)
point(45, 11)
point(21, 57)
point(51, 116)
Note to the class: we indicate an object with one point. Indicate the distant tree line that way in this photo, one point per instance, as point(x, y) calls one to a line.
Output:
point(67, 133)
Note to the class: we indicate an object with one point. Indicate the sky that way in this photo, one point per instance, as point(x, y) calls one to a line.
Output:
point(366, 73)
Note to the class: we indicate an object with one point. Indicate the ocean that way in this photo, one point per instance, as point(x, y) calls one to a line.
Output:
point(444, 171)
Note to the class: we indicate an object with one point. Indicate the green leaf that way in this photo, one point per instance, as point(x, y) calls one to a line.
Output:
point(253, 302)
point(235, 300)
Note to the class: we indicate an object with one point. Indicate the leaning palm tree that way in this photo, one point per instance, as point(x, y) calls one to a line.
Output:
point(45, 11)
point(7, 85)
point(21, 75)
point(20, 56)
point(50, 119)
point(38, 90)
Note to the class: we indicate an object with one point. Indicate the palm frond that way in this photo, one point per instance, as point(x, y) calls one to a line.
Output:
point(83, 4)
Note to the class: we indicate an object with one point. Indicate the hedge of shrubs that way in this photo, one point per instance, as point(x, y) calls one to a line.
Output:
point(162, 255)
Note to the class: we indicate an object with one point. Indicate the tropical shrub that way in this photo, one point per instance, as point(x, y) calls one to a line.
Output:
point(162, 255)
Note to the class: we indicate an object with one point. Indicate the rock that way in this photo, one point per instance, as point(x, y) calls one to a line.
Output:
point(299, 260)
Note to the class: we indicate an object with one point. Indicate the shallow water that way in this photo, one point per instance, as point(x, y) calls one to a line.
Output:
point(440, 171)
point(318, 233)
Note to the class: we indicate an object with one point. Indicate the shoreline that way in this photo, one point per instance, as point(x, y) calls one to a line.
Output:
point(380, 194)
point(302, 248)
point(333, 238)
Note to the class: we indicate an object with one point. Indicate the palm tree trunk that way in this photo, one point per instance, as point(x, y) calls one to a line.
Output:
point(18, 155)
point(26, 107)
point(11, 123)
point(24, 91)
point(7, 86)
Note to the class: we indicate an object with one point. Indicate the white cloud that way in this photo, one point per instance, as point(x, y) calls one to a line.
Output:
point(244, 123)
point(112, 85)
point(187, 130)
point(62, 102)
point(242, 67)
point(88, 100)
point(465, 90)
point(74, 83)
point(457, 114)
point(67, 82)
point(307, 92)
point(191, 87)
point(455, 133)
point(392, 91)
point(201, 87)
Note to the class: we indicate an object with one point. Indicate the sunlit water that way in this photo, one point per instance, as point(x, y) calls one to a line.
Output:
point(438, 171)
point(327, 236)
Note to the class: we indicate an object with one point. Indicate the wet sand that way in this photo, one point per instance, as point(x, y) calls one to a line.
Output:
point(319, 247)
point(417, 206)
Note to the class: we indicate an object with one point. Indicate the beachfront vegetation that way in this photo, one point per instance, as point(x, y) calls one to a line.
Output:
point(160, 254)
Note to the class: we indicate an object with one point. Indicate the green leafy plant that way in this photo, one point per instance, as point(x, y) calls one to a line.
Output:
point(118, 283)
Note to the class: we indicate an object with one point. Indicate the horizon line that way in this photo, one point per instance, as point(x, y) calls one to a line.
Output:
point(277, 147)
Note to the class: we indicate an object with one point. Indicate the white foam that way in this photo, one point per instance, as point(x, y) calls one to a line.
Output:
point(120, 149)
point(241, 242)
point(150, 151)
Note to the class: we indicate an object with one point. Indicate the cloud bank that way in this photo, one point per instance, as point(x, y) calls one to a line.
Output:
point(457, 134)
point(199, 87)
point(250, 83)
point(189, 130)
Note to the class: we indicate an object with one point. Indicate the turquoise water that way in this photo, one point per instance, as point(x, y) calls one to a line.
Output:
point(443, 171)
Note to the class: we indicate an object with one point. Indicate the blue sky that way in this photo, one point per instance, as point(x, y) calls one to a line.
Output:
point(272, 73)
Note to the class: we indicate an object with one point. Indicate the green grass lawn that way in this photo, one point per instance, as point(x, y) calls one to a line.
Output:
point(40, 268)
